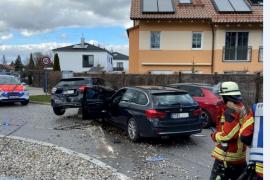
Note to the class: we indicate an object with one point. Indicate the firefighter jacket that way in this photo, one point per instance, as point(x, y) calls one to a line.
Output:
point(228, 133)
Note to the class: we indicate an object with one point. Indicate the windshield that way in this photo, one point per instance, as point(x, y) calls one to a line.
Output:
point(9, 80)
point(72, 82)
point(173, 99)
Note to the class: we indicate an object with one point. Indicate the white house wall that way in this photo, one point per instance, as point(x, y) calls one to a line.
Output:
point(125, 64)
point(72, 61)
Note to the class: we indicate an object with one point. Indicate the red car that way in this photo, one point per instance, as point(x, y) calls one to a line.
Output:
point(208, 99)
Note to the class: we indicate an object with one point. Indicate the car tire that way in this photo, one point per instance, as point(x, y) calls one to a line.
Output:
point(206, 119)
point(133, 130)
point(59, 111)
point(24, 103)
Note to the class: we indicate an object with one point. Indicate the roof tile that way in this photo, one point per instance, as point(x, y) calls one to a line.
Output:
point(200, 9)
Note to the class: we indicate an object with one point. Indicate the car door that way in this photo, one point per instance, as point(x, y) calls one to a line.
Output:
point(121, 109)
point(113, 107)
point(94, 100)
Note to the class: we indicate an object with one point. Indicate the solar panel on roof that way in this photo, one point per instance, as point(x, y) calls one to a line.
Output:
point(224, 6)
point(165, 6)
point(240, 5)
point(185, 1)
point(150, 6)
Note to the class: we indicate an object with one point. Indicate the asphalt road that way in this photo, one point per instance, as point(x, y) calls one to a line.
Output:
point(183, 158)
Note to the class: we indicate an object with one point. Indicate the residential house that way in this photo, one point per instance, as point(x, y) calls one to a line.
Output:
point(202, 36)
point(4, 68)
point(84, 57)
point(120, 62)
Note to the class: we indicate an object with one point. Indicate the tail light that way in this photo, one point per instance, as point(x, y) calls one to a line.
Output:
point(82, 88)
point(197, 112)
point(154, 114)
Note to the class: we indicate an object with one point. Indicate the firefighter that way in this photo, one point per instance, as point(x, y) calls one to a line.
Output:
point(256, 151)
point(254, 126)
point(230, 152)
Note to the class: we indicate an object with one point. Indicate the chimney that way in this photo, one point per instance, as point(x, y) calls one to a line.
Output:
point(82, 41)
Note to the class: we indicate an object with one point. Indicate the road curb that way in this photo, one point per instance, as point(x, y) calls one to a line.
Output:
point(71, 152)
point(41, 103)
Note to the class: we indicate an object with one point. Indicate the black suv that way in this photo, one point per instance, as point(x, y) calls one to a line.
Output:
point(68, 93)
point(152, 111)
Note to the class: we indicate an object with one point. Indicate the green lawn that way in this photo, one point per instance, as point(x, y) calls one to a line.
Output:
point(41, 98)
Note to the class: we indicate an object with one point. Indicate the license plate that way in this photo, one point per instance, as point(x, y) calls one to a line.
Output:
point(69, 92)
point(179, 115)
point(13, 97)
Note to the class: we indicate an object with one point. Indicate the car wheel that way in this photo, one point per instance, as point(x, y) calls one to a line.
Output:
point(59, 111)
point(206, 119)
point(24, 103)
point(133, 130)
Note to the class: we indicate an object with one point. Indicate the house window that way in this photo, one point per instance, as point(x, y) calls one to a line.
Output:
point(88, 61)
point(261, 54)
point(155, 40)
point(196, 40)
point(236, 46)
point(120, 65)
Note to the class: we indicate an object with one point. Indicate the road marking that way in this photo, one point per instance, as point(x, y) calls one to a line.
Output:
point(71, 152)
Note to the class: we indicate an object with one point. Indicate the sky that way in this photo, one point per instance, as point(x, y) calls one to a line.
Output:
point(41, 25)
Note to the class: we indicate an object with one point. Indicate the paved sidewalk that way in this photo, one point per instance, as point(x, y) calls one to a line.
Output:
point(36, 91)
point(28, 159)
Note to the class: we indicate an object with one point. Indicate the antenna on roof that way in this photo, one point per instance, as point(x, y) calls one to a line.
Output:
point(82, 40)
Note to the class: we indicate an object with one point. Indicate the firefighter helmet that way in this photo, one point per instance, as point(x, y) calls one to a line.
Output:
point(229, 89)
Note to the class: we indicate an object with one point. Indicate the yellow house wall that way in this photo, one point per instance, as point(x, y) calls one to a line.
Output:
point(176, 47)
point(255, 41)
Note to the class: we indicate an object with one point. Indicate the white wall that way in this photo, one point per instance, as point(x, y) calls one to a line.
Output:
point(125, 64)
point(72, 61)
point(255, 38)
point(175, 40)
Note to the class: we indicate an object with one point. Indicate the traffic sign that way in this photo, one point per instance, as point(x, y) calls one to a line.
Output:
point(46, 60)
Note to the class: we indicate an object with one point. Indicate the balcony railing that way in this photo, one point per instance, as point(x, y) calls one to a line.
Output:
point(261, 54)
point(118, 69)
point(237, 53)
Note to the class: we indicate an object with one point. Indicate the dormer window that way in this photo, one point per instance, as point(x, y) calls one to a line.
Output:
point(185, 1)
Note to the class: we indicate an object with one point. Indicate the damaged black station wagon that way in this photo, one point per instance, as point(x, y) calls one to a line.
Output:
point(153, 111)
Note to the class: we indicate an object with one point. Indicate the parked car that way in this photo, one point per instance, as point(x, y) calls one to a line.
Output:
point(207, 97)
point(153, 111)
point(68, 93)
point(95, 101)
point(12, 90)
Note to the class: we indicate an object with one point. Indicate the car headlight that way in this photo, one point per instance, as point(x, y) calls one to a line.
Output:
point(54, 90)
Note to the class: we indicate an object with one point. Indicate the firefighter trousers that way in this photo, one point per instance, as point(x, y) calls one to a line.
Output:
point(231, 172)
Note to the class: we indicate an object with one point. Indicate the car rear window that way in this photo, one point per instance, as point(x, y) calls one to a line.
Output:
point(193, 91)
point(215, 90)
point(9, 80)
point(72, 82)
point(166, 99)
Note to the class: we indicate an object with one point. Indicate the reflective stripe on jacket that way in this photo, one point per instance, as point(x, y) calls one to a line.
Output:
point(247, 126)
point(259, 169)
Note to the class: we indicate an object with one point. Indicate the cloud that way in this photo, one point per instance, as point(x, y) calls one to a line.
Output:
point(6, 36)
point(34, 16)
point(12, 51)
